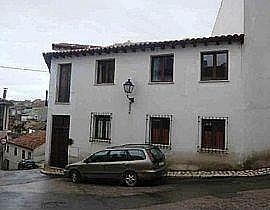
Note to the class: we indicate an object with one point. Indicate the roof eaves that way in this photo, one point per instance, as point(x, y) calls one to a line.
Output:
point(133, 47)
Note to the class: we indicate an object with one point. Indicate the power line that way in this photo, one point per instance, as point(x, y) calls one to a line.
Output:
point(22, 69)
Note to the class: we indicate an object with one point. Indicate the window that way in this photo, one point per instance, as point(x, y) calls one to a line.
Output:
point(159, 130)
point(162, 68)
point(3, 117)
point(214, 66)
point(105, 71)
point(213, 133)
point(23, 154)
point(101, 127)
point(7, 149)
point(29, 155)
point(101, 156)
point(117, 155)
point(136, 154)
point(15, 151)
point(64, 77)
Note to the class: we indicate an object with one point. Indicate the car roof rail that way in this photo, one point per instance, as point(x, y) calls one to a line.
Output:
point(129, 145)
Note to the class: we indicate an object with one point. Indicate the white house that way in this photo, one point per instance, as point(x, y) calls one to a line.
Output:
point(29, 146)
point(203, 100)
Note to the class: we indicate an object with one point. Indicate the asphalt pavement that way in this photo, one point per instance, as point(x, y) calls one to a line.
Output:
point(33, 190)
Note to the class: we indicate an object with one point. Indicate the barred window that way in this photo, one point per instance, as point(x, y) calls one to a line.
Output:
point(159, 130)
point(213, 133)
point(100, 127)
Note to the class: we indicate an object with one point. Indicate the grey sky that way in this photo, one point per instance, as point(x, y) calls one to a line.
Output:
point(29, 27)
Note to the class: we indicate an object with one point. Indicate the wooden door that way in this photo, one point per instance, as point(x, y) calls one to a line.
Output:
point(59, 140)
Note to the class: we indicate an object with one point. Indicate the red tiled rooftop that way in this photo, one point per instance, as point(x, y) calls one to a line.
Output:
point(30, 141)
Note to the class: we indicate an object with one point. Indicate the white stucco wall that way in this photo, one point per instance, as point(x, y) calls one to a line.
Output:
point(230, 18)
point(186, 99)
point(256, 54)
point(39, 154)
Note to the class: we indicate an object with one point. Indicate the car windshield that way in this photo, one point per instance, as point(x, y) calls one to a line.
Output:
point(98, 157)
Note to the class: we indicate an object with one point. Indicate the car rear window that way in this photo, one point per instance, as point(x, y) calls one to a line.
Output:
point(136, 154)
point(157, 154)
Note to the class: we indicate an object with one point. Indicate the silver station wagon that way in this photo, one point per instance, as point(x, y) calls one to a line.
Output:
point(128, 163)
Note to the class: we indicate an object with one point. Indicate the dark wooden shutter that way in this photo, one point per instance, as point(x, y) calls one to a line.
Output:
point(160, 130)
point(64, 83)
point(213, 134)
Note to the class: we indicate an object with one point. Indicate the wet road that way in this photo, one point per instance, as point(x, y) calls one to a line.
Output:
point(32, 190)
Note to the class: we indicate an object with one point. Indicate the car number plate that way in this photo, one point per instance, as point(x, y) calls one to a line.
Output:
point(161, 163)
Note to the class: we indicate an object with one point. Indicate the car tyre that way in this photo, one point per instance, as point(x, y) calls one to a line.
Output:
point(130, 179)
point(75, 176)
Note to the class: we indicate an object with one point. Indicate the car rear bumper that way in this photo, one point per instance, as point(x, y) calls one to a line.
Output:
point(152, 174)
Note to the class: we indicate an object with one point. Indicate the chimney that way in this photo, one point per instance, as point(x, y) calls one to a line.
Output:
point(46, 99)
point(5, 93)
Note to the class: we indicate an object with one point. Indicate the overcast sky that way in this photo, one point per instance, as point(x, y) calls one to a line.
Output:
point(29, 27)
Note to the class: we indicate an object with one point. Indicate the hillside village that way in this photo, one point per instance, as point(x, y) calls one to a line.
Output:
point(22, 131)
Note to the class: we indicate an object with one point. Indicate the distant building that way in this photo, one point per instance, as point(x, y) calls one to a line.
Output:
point(29, 146)
point(4, 119)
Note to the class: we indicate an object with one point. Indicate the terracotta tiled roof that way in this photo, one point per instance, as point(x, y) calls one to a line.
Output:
point(141, 46)
point(30, 141)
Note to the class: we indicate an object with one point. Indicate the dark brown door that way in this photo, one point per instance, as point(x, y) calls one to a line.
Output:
point(59, 141)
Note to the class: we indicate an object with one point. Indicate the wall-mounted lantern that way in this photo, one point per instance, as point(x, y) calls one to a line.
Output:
point(128, 88)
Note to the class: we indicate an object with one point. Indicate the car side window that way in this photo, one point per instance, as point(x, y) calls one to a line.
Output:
point(117, 155)
point(101, 156)
point(136, 154)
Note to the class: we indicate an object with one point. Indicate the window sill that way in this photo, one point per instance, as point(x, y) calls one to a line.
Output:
point(160, 83)
point(208, 150)
point(62, 103)
point(104, 84)
point(214, 81)
point(162, 146)
point(100, 140)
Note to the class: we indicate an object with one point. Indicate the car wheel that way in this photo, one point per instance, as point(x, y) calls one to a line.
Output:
point(130, 179)
point(75, 176)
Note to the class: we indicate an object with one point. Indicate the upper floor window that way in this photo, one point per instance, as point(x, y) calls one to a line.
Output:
point(2, 117)
point(162, 68)
point(105, 71)
point(214, 65)
point(64, 77)
point(15, 151)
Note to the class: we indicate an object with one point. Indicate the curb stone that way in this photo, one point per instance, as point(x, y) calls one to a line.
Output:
point(58, 172)
point(213, 174)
